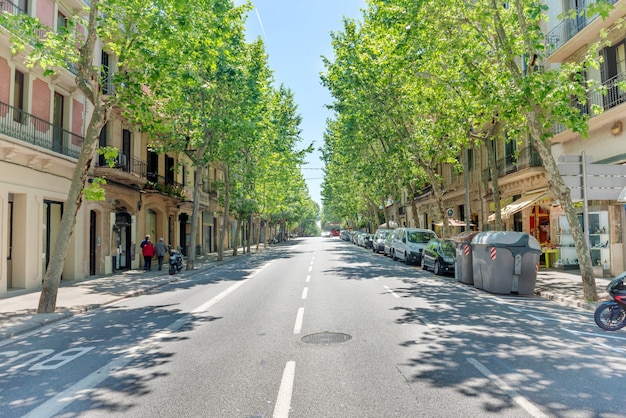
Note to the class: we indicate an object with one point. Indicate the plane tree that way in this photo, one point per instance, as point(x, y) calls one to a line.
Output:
point(121, 27)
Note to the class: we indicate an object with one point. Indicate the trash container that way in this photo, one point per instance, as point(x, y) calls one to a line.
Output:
point(505, 262)
point(463, 270)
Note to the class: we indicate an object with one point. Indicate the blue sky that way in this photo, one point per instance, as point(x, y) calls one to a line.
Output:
point(296, 34)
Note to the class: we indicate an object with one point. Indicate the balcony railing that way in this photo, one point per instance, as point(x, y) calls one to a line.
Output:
point(166, 186)
point(568, 28)
point(28, 128)
point(610, 93)
point(127, 164)
point(526, 158)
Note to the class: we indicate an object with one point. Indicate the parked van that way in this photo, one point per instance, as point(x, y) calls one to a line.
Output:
point(408, 243)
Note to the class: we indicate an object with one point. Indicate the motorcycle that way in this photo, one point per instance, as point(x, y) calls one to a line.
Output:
point(611, 315)
point(176, 261)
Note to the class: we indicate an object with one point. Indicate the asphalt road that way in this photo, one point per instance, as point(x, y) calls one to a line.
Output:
point(317, 328)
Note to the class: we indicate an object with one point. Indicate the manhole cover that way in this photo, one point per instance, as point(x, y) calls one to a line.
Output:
point(326, 338)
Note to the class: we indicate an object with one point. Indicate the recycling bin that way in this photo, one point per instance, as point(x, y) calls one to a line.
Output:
point(505, 262)
point(463, 271)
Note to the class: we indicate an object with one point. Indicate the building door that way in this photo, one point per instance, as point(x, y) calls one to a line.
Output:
point(9, 237)
point(121, 237)
point(92, 243)
point(51, 223)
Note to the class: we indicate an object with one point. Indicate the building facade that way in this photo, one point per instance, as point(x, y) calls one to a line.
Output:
point(43, 121)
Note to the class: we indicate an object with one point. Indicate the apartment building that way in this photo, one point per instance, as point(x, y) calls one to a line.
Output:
point(526, 203)
point(43, 121)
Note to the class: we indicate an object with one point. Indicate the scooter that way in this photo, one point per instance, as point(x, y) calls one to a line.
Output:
point(611, 315)
point(176, 261)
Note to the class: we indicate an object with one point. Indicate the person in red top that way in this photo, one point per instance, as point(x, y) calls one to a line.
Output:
point(148, 252)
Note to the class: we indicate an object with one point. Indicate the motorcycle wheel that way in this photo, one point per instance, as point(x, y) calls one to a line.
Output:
point(172, 269)
point(610, 316)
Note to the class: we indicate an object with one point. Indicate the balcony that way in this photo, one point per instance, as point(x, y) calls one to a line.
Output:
point(568, 28)
point(30, 129)
point(610, 94)
point(526, 158)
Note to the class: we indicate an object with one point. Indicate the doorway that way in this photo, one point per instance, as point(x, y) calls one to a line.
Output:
point(122, 242)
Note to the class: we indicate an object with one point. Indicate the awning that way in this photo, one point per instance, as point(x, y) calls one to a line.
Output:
point(518, 205)
point(390, 225)
point(452, 222)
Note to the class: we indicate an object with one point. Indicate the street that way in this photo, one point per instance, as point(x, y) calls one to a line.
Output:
point(317, 328)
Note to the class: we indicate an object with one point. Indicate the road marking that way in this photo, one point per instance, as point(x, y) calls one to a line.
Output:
point(283, 402)
point(308, 278)
point(207, 305)
point(55, 404)
point(310, 268)
point(516, 397)
point(611, 336)
point(395, 295)
point(298, 327)
point(305, 292)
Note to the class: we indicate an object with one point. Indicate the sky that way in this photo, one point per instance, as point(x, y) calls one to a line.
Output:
point(296, 34)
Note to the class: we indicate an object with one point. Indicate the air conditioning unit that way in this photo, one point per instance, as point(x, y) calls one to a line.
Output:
point(122, 160)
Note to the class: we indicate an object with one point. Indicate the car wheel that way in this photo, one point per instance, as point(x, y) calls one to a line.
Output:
point(423, 264)
point(437, 268)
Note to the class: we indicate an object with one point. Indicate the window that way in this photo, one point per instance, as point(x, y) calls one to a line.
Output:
point(105, 74)
point(61, 22)
point(613, 72)
point(18, 97)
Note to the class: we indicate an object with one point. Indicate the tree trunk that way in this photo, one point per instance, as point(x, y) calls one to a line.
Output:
point(562, 193)
point(85, 74)
point(236, 237)
point(199, 169)
point(492, 165)
point(438, 192)
point(225, 217)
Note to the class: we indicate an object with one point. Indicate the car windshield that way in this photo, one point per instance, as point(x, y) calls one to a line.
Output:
point(448, 248)
point(419, 237)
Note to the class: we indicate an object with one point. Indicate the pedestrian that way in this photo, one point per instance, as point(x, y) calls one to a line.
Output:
point(146, 239)
point(148, 252)
point(160, 249)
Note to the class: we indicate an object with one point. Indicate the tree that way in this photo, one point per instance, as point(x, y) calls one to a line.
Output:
point(117, 24)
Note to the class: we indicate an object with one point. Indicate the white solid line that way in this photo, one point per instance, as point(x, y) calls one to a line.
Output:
point(283, 402)
point(308, 278)
point(205, 306)
point(310, 268)
point(305, 292)
point(298, 327)
point(517, 398)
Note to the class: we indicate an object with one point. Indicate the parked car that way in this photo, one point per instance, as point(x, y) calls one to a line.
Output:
point(344, 234)
point(367, 240)
point(378, 240)
point(408, 243)
point(440, 255)
point(387, 247)
point(325, 234)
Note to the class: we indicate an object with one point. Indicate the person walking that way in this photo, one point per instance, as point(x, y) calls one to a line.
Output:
point(160, 249)
point(148, 252)
point(145, 240)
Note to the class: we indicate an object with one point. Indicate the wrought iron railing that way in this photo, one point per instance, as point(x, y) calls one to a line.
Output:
point(609, 94)
point(21, 125)
point(568, 28)
point(526, 158)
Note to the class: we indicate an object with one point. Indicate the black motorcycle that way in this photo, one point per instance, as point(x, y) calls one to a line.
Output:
point(611, 315)
point(176, 261)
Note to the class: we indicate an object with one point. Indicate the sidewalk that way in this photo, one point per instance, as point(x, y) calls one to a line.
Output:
point(18, 309)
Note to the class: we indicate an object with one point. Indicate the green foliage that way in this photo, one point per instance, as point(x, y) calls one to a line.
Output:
point(94, 191)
